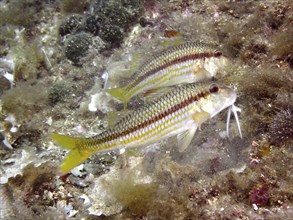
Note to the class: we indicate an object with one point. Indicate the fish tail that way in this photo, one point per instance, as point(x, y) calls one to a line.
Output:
point(119, 93)
point(76, 155)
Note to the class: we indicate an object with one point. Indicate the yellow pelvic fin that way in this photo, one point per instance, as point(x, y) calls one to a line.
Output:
point(76, 155)
point(118, 93)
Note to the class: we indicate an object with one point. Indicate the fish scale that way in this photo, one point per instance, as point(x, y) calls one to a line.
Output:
point(185, 63)
point(181, 111)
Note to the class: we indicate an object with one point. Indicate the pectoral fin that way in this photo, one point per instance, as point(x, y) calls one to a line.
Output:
point(185, 138)
point(201, 73)
point(200, 117)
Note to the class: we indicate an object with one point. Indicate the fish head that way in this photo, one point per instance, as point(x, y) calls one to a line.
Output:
point(218, 98)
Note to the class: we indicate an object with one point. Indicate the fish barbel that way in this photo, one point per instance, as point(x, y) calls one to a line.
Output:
point(184, 63)
point(179, 112)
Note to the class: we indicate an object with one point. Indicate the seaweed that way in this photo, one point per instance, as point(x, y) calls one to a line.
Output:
point(282, 45)
point(22, 13)
point(281, 128)
point(27, 60)
point(264, 94)
point(24, 100)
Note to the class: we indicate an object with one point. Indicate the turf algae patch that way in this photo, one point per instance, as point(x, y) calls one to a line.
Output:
point(136, 198)
point(7, 210)
point(28, 189)
point(24, 100)
point(265, 93)
point(282, 45)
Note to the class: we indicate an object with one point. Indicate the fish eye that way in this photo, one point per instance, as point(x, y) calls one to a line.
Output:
point(214, 88)
point(218, 53)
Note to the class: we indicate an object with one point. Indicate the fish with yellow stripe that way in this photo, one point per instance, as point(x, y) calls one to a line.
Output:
point(179, 112)
point(184, 63)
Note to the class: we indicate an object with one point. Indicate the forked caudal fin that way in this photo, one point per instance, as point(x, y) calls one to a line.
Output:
point(75, 156)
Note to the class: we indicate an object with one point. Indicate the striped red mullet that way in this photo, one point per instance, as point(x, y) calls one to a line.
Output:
point(179, 112)
point(185, 63)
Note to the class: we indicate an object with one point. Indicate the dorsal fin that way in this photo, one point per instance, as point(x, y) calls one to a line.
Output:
point(172, 38)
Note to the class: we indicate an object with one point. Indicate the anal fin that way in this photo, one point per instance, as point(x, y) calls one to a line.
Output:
point(185, 138)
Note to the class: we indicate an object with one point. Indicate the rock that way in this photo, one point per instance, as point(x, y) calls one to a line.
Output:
point(59, 92)
point(4, 84)
point(76, 46)
point(112, 34)
point(94, 23)
point(72, 24)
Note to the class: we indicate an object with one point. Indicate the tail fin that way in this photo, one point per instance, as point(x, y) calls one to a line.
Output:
point(76, 156)
point(118, 93)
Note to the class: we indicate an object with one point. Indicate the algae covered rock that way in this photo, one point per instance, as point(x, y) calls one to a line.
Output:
point(94, 23)
point(4, 84)
point(109, 20)
point(112, 34)
point(72, 24)
point(59, 92)
point(76, 46)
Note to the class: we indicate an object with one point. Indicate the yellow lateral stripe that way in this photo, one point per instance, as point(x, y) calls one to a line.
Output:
point(161, 130)
point(152, 81)
point(156, 129)
point(135, 137)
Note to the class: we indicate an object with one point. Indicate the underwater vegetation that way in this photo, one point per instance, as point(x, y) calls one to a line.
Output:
point(57, 56)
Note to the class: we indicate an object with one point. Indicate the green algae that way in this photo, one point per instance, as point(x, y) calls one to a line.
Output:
point(136, 198)
point(27, 60)
point(59, 92)
point(24, 100)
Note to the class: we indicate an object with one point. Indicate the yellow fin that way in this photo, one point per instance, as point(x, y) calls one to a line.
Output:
point(66, 142)
point(174, 38)
point(73, 159)
point(200, 117)
point(118, 93)
point(76, 156)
